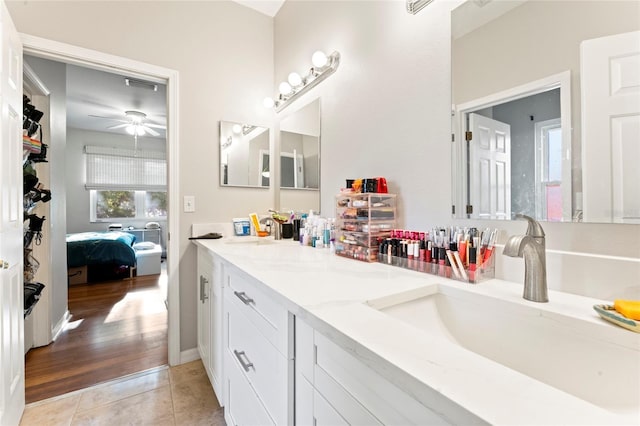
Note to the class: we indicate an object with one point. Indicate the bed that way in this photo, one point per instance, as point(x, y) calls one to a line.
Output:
point(100, 248)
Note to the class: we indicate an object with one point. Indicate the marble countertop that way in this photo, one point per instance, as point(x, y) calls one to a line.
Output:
point(331, 294)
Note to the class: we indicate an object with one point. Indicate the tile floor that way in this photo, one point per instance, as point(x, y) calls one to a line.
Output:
point(179, 395)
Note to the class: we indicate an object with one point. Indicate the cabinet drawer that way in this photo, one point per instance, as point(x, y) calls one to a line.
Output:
point(266, 369)
point(242, 406)
point(265, 314)
point(343, 379)
point(324, 414)
point(349, 408)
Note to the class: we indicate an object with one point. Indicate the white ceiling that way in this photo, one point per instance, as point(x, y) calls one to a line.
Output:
point(268, 7)
point(91, 92)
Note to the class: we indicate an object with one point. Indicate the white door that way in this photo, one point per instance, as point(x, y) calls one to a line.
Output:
point(489, 168)
point(610, 69)
point(11, 288)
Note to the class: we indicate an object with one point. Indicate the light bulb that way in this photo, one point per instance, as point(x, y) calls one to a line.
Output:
point(268, 103)
point(140, 131)
point(236, 129)
point(131, 129)
point(294, 79)
point(319, 59)
point(285, 88)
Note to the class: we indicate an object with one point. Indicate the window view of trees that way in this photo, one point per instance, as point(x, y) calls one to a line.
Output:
point(155, 204)
point(129, 204)
point(115, 204)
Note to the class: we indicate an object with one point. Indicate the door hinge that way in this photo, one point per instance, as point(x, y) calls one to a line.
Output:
point(168, 236)
point(453, 137)
point(469, 209)
point(468, 136)
point(453, 209)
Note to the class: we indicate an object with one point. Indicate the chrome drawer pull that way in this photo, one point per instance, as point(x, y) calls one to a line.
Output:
point(246, 365)
point(243, 296)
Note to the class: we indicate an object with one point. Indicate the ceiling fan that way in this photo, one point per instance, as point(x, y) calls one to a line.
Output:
point(135, 123)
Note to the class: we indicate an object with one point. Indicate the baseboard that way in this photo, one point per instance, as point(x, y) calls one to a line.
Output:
point(60, 325)
point(189, 355)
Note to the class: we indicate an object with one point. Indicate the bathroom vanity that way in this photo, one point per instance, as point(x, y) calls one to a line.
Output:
point(296, 335)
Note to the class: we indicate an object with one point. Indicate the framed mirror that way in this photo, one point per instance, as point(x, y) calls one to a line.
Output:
point(300, 158)
point(242, 152)
point(529, 82)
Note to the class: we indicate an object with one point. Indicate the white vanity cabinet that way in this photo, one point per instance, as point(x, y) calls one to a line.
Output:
point(258, 354)
point(209, 317)
point(333, 387)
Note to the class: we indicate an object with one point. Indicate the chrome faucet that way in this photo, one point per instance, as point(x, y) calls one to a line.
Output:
point(531, 246)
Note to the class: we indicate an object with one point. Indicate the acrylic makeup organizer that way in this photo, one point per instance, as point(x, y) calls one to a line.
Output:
point(363, 220)
point(483, 270)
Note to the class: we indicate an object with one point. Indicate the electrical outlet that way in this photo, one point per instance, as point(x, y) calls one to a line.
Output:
point(189, 203)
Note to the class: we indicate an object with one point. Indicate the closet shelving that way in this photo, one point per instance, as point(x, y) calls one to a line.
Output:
point(34, 152)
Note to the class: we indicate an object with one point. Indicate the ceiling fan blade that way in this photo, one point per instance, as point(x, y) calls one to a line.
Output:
point(108, 118)
point(150, 130)
point(118, 126)
point(156, 126)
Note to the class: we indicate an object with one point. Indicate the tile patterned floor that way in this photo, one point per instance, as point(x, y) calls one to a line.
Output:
point(179, 395)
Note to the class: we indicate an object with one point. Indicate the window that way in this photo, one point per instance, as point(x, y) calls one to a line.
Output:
point(549, 170)
point(125, 184)
point(107, 205)
point(115, 204)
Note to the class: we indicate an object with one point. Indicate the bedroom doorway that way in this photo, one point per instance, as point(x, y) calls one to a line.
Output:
point(141, 292)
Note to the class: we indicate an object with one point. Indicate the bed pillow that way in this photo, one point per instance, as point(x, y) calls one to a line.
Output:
point(146, 245)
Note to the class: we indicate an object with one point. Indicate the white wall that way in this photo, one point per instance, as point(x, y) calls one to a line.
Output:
point(386, 112)
point(224, 54)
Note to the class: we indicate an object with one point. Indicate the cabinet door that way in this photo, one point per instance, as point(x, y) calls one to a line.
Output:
point(203, 290)
point(216, 345)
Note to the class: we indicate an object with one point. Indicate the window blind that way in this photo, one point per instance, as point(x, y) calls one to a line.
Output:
point(121, 168)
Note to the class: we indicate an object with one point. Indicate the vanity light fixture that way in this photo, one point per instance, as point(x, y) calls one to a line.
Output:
point(415, 6)
point(296, 85)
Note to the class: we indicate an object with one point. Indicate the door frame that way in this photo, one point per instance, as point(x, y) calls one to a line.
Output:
point(459, 156)
point(88, 58)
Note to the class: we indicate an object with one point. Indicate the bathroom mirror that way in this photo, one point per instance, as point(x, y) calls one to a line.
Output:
point(522, 71)
point(300, 158)
point(242, 147)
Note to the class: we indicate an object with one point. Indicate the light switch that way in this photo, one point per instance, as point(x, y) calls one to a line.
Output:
point(189, 203)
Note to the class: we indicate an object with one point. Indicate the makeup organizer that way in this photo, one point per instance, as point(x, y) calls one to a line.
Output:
point(457, 259)
point(363, 221)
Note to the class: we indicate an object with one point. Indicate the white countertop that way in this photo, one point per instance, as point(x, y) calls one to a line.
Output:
point(330, 292)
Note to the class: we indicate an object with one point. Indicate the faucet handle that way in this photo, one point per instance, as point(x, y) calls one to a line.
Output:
point(534, 229)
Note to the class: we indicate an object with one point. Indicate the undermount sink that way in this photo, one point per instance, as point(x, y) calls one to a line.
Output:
point(570, 356)
point(250, 240)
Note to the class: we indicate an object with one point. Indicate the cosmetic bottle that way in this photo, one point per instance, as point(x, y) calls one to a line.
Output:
point(472, 264)
point(326, 234)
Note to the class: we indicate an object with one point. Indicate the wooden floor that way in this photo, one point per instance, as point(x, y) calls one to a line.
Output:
point(116, 328)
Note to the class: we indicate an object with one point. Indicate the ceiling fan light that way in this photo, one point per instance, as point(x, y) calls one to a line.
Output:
point(140, 131)
point(131, 129)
